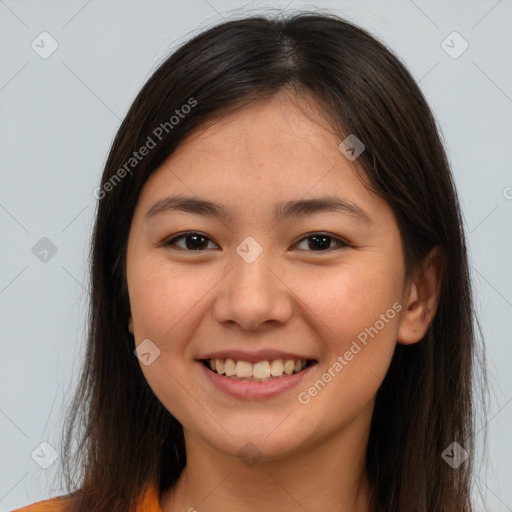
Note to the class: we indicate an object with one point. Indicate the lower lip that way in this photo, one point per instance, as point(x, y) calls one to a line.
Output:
point(255, 390)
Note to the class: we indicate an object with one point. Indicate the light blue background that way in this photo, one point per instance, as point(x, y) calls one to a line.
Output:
point(59, 116)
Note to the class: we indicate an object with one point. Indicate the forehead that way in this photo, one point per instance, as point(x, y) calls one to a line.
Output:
point(282, 123)
point(272, 150)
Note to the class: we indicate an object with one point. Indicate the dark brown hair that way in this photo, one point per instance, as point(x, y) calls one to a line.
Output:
point(119, 438)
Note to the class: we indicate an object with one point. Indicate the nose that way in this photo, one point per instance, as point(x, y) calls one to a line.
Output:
point(253, 294)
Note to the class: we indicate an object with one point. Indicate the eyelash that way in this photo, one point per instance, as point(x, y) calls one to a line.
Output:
point(341, 243)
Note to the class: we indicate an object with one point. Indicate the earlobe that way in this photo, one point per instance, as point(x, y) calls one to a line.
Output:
point(422, 299)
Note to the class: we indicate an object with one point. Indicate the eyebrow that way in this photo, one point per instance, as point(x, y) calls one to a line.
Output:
point(282, 210)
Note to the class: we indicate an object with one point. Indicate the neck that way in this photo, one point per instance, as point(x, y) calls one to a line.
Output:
point(328, 476)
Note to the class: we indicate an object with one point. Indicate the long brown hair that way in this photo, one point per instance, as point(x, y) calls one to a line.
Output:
point(119, 438)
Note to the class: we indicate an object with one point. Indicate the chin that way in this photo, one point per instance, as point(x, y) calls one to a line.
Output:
point(256, 442)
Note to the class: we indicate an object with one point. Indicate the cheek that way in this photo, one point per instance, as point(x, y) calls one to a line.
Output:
point(163, 295)
point(165, 302)
point(357, 324)
point(350, 298)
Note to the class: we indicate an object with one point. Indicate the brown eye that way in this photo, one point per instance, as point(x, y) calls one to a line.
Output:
point(193, 241)
point(321, 242)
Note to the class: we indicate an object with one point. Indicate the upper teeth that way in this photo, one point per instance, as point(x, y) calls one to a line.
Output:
point(258, 370)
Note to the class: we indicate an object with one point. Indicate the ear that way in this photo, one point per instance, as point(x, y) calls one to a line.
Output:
point(422, 298)
point(130, 324)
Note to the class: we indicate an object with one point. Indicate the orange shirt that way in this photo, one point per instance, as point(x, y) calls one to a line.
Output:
point(148, 503)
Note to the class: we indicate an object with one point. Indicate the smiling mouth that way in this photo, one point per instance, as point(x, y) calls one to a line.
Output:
point(261, 371)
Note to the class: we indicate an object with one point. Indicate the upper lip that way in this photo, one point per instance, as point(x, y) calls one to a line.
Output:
point(253, 357)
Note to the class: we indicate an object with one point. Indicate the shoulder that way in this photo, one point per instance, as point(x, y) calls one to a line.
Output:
point(148, 502)
point(57, 504)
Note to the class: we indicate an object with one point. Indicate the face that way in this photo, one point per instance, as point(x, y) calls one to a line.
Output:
point(258, 281)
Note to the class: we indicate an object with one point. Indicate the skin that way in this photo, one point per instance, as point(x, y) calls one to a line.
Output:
point(292, 297)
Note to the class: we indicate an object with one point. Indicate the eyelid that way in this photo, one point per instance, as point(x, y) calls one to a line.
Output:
point(337, 239)
point(168, 241)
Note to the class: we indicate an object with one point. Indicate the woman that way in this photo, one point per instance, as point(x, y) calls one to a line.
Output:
point(281, 314)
